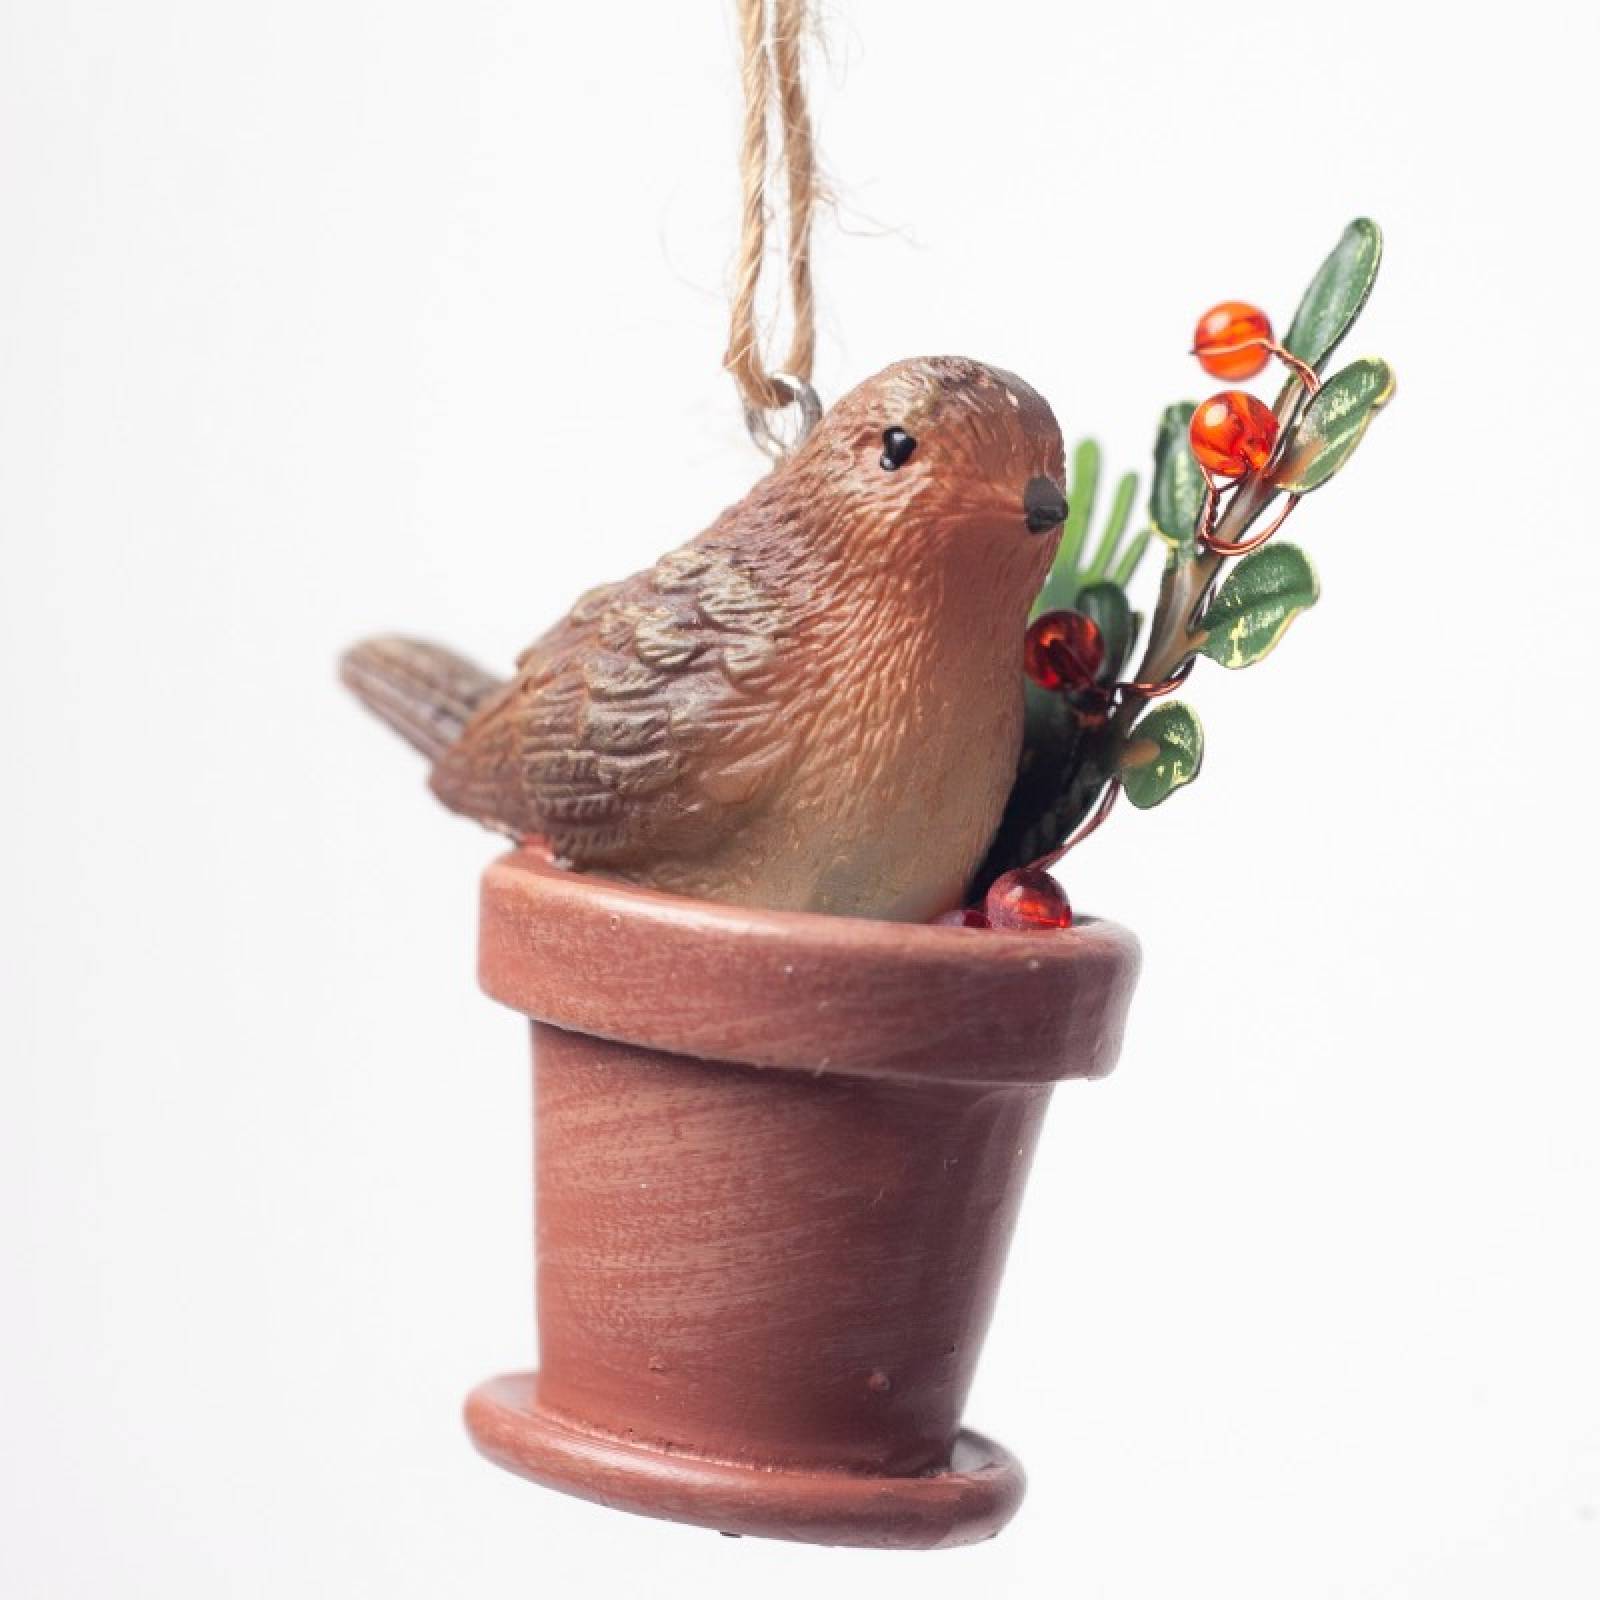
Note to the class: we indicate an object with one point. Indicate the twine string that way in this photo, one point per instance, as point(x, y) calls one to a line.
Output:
point(771, 37)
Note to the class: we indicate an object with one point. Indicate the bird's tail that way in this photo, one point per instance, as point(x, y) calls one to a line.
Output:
point(426, 693)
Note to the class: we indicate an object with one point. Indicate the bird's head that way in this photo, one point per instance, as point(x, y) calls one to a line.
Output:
point(940, 465)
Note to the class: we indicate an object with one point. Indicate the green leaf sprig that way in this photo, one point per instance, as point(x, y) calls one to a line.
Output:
point(1242, 622)
point(1075, 760)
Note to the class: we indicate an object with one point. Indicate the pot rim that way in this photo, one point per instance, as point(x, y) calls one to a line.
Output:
point(801, 990)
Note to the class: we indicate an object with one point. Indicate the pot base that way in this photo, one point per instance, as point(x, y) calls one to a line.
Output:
point(972, 1500)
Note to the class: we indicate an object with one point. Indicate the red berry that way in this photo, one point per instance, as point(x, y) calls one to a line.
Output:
point(962, 917)
point(1027, 899)
point(1232, 434)
point(1232, 323)
point(1064, 650)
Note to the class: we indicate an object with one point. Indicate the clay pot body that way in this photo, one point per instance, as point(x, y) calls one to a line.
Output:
point(779, 1158)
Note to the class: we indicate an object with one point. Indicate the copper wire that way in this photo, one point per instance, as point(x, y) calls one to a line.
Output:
point(1101, 812)
point(1245, 546)
point(1211, 504)
point(1151, 691)
point(1294, 363)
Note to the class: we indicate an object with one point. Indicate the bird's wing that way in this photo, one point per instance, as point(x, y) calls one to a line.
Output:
point(641, 725)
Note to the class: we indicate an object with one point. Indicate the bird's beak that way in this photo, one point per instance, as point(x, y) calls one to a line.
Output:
point(1044, 506)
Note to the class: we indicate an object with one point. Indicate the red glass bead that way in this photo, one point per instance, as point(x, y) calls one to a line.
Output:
point(963, 917)
point(1232, 323)
point(1027, 899)
point(1232, 434)
point(1064, 650)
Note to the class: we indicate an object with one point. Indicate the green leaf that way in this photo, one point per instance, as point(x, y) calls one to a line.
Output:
point(1116, 526)
point(1106, 605)
point(1337, 293)
point(1333, 424)
point(1178, 487)
point(1128, 561)
point(1060, 591)
point(1081, 494)
point(1252, 610)
point(1162, 754)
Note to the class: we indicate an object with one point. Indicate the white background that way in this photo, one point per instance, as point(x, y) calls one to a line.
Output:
point(317, 319)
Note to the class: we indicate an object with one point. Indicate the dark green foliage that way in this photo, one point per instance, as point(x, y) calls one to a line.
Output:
point(1073, 749)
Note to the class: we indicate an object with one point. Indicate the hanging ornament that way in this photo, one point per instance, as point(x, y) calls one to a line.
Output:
point(736, 779)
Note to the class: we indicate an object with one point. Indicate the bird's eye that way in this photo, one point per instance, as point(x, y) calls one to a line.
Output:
point(897, 448)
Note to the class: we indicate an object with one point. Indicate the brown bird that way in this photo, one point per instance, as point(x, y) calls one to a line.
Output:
point(814, 705)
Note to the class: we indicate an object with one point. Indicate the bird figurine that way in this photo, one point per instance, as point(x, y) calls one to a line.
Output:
point(815, 705)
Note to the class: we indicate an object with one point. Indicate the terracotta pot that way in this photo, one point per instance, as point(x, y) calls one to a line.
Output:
point(778, 1161)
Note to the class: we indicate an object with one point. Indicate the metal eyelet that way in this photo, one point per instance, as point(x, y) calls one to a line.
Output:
point(767, 439)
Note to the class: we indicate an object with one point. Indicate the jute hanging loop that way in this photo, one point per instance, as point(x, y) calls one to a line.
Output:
point(771, 34)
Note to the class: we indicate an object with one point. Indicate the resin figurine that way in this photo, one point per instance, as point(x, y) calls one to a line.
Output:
point(815, 705)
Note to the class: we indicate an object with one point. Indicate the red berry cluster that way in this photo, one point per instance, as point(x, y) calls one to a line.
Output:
point(1233, 433)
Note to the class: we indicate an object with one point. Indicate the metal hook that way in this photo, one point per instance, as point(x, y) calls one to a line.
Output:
point(758, 421)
